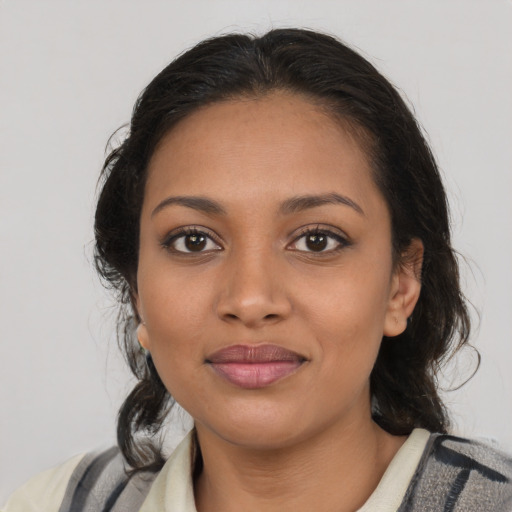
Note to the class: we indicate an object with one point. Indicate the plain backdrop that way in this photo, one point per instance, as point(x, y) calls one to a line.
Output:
point(69, 75)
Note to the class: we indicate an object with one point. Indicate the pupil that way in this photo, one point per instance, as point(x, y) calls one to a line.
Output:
point(195, 242)
point(316, 242)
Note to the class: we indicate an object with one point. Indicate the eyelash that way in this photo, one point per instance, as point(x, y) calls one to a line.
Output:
point(182, 233)
point(341, 240)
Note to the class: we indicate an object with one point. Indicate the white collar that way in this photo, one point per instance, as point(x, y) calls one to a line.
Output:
point(173, 489)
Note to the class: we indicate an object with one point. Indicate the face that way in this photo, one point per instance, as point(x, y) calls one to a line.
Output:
point(266, 278)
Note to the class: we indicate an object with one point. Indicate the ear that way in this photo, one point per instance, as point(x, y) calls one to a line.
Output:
point(405, 289)
point(142, 330)
point(142, 336)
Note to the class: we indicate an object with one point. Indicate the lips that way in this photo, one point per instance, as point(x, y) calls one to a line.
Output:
point(254, 366)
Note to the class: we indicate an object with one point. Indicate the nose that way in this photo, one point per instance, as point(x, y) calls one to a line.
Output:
point(253, 291)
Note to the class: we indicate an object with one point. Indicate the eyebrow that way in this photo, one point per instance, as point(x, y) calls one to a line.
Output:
point(300, 203)
point(195, 202)
point(292, 205)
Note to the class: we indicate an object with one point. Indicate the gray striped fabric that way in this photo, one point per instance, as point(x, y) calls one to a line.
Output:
point(459, 475)
point(100, 483)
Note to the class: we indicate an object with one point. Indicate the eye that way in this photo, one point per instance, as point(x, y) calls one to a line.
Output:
point(319, 240)
point(190, 240)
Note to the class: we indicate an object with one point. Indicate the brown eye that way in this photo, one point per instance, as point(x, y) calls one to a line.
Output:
point(319, 241)
point(191, 241)
point(195, 242)
point(316, 242)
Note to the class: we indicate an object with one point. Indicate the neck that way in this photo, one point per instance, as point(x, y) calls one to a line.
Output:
point(336, 470)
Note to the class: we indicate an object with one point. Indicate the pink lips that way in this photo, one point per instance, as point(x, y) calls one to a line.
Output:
point(254, 366)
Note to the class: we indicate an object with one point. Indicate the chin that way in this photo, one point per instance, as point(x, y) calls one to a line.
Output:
point(257, 440)
point(262, 430)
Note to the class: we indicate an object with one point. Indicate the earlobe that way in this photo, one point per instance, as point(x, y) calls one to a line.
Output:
point(142, 331)
point(142, 336)
point(405, 289)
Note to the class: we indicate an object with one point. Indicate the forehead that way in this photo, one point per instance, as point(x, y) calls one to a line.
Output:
point(279, 145)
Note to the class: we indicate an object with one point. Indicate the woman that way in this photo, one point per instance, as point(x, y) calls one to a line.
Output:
point(277, 230)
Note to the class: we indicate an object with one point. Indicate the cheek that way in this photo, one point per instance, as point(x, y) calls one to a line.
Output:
point(347, 300)
point(170, 296)
point(176, 330)
point(175, 312)
point(344, 312)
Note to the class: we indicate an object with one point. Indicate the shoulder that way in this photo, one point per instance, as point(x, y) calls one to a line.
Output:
point(44, 491)
point(457, 474)
point(94, 481)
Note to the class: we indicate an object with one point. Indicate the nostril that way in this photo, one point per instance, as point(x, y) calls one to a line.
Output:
point(251, 304)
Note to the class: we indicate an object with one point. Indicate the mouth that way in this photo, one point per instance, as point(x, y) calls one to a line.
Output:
point(254, 366)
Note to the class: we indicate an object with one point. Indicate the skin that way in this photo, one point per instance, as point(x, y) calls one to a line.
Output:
point(307, 441)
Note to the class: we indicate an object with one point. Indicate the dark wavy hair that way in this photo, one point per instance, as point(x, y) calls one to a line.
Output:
point(323, 70)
